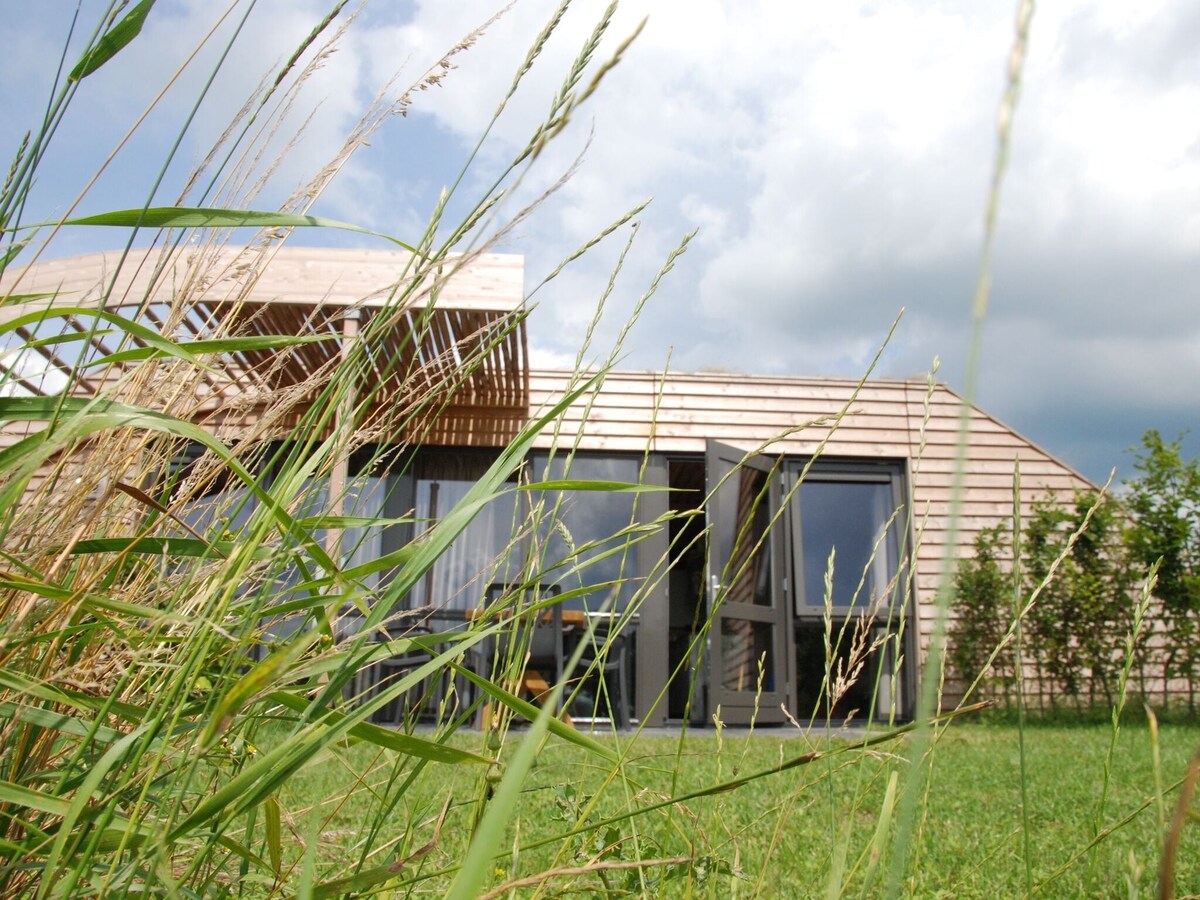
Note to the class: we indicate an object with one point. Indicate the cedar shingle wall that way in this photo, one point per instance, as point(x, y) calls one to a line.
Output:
point(887, 420)
point(895, 420)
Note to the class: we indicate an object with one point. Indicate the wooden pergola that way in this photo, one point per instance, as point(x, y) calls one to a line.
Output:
point(442, 349)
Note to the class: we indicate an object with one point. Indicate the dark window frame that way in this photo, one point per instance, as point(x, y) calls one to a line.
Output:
point(896, 547)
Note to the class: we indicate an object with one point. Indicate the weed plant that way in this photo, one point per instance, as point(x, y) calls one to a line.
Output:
point(186, 624)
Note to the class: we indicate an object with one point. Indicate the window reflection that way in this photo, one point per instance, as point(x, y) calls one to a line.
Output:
point(572, 545)
point(849, 517)
point(364, 499)
point(746, 648)
point(742, 516)
point(577, 530)
point(224, 514)
point(480, 554)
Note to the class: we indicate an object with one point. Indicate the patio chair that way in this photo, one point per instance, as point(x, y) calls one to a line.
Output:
point(419, 702)
point(543, 643)
point(607, 654)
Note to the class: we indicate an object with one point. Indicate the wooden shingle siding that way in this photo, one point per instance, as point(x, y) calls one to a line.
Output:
point(886, 420)
point(901, 421)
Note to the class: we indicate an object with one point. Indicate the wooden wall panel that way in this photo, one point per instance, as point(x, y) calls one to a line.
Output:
point(887, 420)
point(909, 422)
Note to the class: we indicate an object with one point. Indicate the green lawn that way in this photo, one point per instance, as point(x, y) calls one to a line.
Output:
point(788, 834)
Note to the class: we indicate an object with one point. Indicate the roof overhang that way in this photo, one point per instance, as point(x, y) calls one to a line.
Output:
point(457, 325)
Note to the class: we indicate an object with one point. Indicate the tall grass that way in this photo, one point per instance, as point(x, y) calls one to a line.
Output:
point(137, 678)
point(182, 665)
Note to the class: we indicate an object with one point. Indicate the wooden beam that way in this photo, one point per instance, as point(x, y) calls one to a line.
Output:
point(339, 475)
point(300, 276)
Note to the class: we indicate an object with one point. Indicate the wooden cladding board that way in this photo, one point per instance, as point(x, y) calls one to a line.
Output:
point(302, 276)
point(905, 421)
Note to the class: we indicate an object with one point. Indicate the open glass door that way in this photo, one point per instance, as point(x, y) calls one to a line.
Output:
point(748, 610)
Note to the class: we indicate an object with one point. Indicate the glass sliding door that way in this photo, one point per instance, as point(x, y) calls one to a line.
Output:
point(748, 612)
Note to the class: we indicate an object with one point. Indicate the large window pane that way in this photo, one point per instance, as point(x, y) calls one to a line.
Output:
point(224, 515)
point(364, 499)
point(481, 553)
point(216, 514)
point(848, 518)
point(576, 542)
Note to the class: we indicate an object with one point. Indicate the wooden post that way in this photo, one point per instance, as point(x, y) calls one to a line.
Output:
point(339, 474)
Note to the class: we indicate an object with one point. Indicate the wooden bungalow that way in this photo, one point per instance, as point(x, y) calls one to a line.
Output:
point(826, 501)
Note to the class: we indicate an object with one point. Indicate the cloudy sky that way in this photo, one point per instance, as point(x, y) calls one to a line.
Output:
point(835, 158)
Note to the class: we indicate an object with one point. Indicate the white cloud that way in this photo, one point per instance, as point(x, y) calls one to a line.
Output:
point(835, 156)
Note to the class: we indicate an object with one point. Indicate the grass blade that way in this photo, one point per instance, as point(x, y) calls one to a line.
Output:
point(212, 217)
point(113, 41)
point(274, 834)
point(217, 345)
point(13, 299)
point(163, 346)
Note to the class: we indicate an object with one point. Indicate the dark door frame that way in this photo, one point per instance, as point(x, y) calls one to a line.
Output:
point(749, 616)
point(652, 666)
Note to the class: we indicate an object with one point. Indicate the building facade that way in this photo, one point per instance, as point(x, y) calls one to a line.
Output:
point(786, 564)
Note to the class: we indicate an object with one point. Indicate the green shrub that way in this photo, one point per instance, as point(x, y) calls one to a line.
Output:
point(1085, 566)
point(1164, 499)
point(982, 615)
point(1078, 625)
